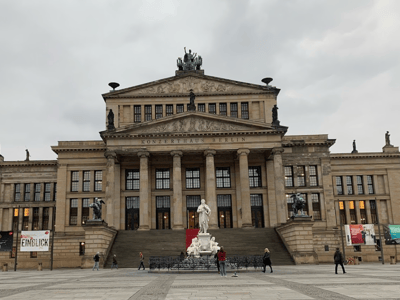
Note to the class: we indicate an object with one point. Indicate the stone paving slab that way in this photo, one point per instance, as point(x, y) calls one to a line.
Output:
point(367, 281)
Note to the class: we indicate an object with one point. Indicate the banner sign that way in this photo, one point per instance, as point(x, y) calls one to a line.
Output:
point(392, 234)
point(35, 240)
point(6, 240)
point(360, 234)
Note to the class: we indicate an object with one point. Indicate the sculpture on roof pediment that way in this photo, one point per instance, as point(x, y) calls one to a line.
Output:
point(207, 86)
point(221, 87)
point(160, 89)
point(174, 87)
point(190, 61)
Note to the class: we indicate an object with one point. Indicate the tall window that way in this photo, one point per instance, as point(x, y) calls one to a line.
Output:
point(86, 181)
point(313, 176)
point(85, 210)
point(212, 108)
point(245, 110)
point(223, 177)
point(73, 212)
point(224, 204)
point(179, 108)
point(201, 107)
point(234, 110)
point(169, 110)
point(372, 204)
point(339, 185)
point(37, 192)
point(353, 217)
point(159, 111)
point(222, 109)
point(255, 176)
point(289, 176)
point(193, 178)
point(137, 113)
point(47, 190)
point(289, 203)
point(360, 188)
point(15, 219)
point(132, 179)
point(342, 212)
point(98, 181)
point(55, 192)
point(363, 212)
point(349, 183)
point(74, 181)
point(27, 194)
point(17, 192)
point(147, 112)
point(35, 219)
point(25, 219)
point(162, 179)
point(257, 214)
point(301, 176)
point(370, 184)
point(316, 206)
point(46, 218)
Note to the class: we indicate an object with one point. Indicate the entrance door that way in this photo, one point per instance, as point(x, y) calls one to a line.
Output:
point(163, 212)
point(192, 203)
point(193, 219)
point(257, 217)
point(224, 217)
point(132, 213)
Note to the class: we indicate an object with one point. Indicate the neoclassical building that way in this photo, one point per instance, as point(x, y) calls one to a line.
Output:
point(172, 142)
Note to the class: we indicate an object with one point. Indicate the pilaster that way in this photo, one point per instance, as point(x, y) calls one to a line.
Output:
point(279, 185)
point(110, 188)
point(211, 198)
point(245, 187)
point(144, 196)
point(177, 188)
point(61, 201)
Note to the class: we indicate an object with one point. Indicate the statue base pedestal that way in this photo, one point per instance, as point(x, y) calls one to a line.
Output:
point(204, 239)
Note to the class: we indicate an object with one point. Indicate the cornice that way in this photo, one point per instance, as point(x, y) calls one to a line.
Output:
point(31, 163)
point(180, 95)
point(58, 150)
point(328, 143)
point(364, 155)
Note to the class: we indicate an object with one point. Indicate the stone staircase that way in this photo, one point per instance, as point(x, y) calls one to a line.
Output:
point(129, 243)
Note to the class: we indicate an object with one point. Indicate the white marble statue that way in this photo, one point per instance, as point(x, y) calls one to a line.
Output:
point(204, 211)
point(194, 248)
point(214, 246)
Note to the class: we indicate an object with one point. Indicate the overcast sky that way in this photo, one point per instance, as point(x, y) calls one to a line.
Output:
point(336, 63)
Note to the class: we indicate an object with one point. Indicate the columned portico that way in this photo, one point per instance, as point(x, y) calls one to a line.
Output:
point(211, 197)
point(245, 187)
point(177, 187)
point(144, 197)
point(279, 185)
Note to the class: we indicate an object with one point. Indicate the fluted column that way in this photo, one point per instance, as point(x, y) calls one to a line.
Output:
point(144, 196)
point(245, 187)
point(177, 186)
point(211, 198)
point(108, 209)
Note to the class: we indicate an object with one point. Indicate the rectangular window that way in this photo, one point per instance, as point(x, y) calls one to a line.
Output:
point(85, 210)
point(342, 212)
point(132, 179)
point(255, 177)
point(25, 219)
point(15, 219)
point(360, 188)
point(47, 190)
point(98, 181)
point(201, 107)
point(224, 201)
point(46, 218)
point(339, 185)
point(256, 200)
point(27, 195)
point(212, 108)
point(163, 202)
point(245, 110)
point(74, 181)
point(374, 218)
point(179, 108)
point(73, 212)
point(35, 219)
point(370, 184)
point(222, 109)
point(193, 201)
point(169, 110)
point(313, 176)
point(301, 176)
point(132, 202)
point(137, 114)
point(159, 111)
point(353, 217)
point(234, 110)
point(86, 181)
point(162, 179)
point(55, 192)
point(349, 183)
point(289, 202)
point(147, 113)
point(193, 178)
point(37, 188)
point(289, 176)
point(363, 212)
point(223, 177)
point(316, 206)
point(34, 254)
point(17, 192)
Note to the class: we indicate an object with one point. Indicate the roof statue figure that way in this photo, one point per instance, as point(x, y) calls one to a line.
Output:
point(110, 118)
point(354, 147)
point(387, 138)
point(190, 61)
point(27, 155)
point(275, 116)
point(191, 106)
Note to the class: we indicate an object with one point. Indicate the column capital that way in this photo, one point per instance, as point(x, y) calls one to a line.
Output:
point(277, 150)
point(243, 151)
point(209, 152)
point(176, 153)
point(143, 154)
point(110, 155)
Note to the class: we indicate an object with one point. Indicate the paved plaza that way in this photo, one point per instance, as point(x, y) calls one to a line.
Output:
point(366, 281)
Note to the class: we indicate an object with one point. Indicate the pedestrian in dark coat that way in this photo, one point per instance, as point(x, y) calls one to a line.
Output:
point(114, 262)
point(267, 260)
point(216, 260)
point(141, 261)
point(338, 257)
point(96, 259)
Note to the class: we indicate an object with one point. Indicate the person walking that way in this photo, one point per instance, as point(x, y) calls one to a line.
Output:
point(141, 261)
point(221, 260)
point(338, 257)
point(114, 262)
point(216, 260)
point(96, 259)
point(267, 260)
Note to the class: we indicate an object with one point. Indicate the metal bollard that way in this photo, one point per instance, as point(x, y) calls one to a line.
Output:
point(5, 268)
point(393, 260)
point(39, 268)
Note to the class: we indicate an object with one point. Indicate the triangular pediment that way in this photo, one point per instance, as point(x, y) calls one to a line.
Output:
point(190, 122)
point(200, 84)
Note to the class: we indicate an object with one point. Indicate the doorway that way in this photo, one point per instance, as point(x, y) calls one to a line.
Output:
point(192, 203)
point(224, 204)
point(132, 213)
point(163, 212)
point(257, 213)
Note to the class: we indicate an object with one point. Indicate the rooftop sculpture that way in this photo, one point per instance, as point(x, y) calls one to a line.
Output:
point(190, 61)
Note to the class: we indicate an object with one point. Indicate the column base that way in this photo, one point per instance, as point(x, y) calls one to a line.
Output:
point(247, 226)
point(178, 227)
point(144, 228)
point(213, 226)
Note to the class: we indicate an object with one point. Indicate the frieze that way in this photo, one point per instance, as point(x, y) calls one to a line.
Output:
point(192, 140)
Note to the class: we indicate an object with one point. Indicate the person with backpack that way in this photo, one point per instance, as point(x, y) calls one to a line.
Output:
point(338, 257)
point(96, 259)
point(222, 259)
point(114, 262)
point(216, 260)
point(267, 260)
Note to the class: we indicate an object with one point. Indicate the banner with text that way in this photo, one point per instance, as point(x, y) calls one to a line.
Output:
point(392, 234)
point(6, 240)
point(360, 234)
point(38, 240)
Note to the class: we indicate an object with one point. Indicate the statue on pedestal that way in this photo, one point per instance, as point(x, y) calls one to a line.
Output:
point(110, 118)
point(194, 248)
point(190, 61)
point(387, 139)
point(97, 208)
point(298, 205)
point(204, 211)
point(27, 155)
point(214, 246)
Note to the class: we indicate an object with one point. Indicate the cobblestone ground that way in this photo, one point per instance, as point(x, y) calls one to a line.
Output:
point(367, 281)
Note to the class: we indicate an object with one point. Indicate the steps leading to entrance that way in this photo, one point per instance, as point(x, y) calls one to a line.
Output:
point(129, 243)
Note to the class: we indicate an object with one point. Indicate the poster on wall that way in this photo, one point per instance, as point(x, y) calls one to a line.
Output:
point(392, 234)
point(38, 240)
point(6, 240)
point(360, 234)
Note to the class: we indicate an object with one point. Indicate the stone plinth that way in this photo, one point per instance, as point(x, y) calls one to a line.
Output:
point(98, 238)
point(297, 236)
point(390, 149)
point(204, 239)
